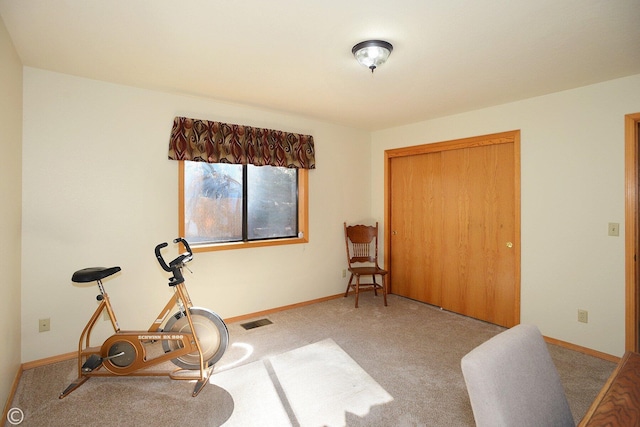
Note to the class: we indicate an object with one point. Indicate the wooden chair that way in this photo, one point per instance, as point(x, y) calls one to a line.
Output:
point(362, 249)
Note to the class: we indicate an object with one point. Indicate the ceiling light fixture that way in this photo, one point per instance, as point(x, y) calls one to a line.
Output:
point(372, 53)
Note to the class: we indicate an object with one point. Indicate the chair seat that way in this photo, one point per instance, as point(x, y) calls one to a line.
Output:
point(366, 271)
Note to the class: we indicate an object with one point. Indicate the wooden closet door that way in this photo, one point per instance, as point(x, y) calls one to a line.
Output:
point(453, 230)
point(416, 212)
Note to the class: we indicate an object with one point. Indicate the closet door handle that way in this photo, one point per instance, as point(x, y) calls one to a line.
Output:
point(509, 244)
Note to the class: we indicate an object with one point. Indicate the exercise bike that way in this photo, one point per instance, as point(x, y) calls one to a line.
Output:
point(193, 338)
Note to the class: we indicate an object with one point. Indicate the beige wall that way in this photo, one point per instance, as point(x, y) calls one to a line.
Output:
point(99, 191)
point(10, 208)
point(572, 154)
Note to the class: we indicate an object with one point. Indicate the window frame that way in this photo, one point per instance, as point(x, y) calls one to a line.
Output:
point(303, 219)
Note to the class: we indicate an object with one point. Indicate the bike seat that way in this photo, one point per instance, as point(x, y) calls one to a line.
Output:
point(93, 273)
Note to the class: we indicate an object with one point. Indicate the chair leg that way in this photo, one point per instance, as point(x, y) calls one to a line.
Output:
point(384, 288)
point(346, 293)
point(375, 285)
point(357, 289)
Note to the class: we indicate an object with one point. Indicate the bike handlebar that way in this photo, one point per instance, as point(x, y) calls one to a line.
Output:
point(179, 261)
point(185, 243)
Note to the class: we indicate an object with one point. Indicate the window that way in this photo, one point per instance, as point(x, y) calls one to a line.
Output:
point(227, 206)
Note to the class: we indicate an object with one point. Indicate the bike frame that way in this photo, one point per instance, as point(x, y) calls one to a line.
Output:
point(189, 341)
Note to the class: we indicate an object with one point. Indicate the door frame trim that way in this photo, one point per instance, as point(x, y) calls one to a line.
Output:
point(476, 141)
point(631, 229)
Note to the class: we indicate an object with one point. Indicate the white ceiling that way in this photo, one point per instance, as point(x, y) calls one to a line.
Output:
point(449, 56)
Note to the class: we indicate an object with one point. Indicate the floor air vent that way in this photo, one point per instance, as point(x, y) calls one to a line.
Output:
point(256, 323)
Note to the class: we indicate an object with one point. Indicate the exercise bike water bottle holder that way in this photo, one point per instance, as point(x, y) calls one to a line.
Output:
point(193, 338)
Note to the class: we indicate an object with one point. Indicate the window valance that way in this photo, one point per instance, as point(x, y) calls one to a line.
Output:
point(216, 142)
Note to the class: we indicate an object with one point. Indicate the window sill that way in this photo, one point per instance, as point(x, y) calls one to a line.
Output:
point(246, 245)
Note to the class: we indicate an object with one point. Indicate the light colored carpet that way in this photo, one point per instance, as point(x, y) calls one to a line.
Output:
point(315, 385)
point(323, 384)
point(255, 398)
point(409, 349)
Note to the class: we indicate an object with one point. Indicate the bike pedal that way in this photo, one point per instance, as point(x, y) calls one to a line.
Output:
point(92, 363)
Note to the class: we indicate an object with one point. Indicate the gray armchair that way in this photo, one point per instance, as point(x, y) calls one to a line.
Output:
point(512, 381)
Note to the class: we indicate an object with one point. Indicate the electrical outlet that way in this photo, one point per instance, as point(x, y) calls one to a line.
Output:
point(44, 325)
point(344, 273)
point(583, 316)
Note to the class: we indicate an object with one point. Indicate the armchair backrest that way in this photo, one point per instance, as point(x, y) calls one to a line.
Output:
point(512, 381)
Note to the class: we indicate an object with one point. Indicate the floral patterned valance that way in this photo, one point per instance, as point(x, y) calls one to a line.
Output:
point(216, 142)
